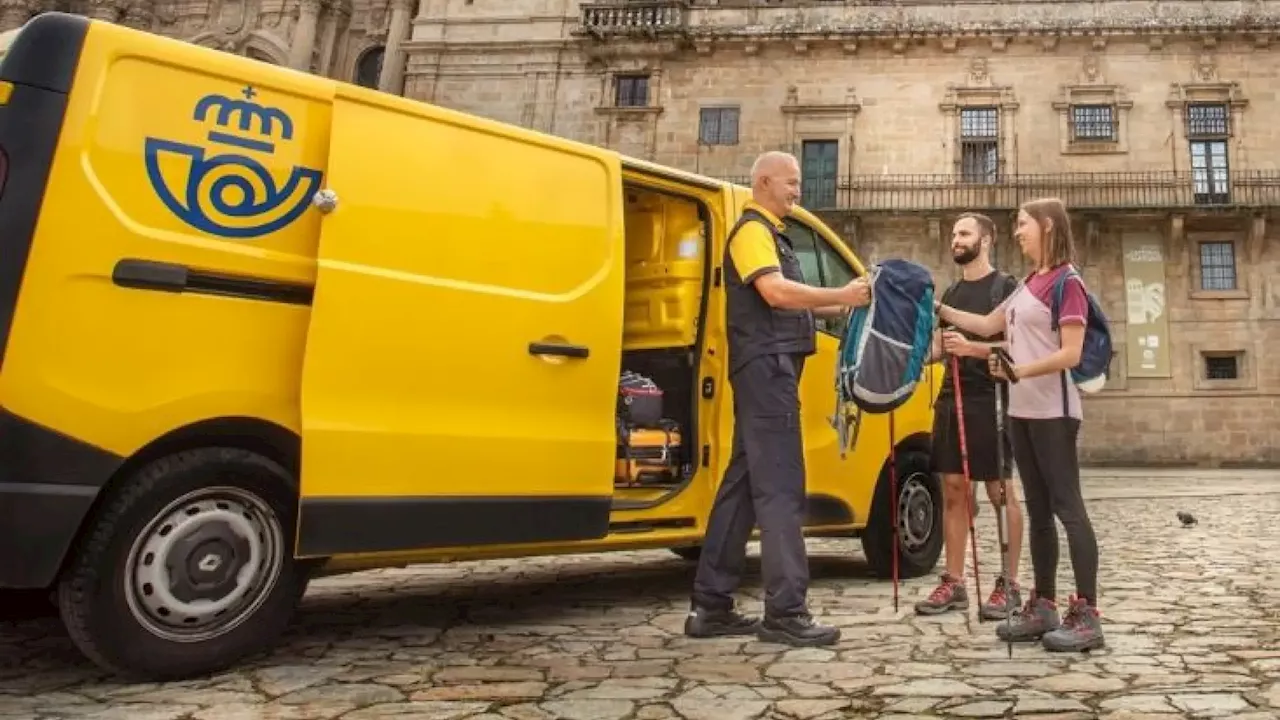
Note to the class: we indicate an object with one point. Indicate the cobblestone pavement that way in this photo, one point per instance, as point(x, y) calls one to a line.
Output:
point(1191, 616)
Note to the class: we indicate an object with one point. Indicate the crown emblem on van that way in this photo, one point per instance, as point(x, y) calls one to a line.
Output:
point(217, 188)
point(243, 123)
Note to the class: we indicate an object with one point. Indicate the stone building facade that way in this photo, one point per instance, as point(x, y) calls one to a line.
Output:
point(1153, 119)
point(345, 39)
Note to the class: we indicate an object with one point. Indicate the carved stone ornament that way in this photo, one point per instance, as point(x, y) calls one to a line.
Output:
point(979, 71)
point(1206, 69)
point(1091, 69)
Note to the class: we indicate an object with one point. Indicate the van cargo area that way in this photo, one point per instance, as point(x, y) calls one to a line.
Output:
point(666, 277)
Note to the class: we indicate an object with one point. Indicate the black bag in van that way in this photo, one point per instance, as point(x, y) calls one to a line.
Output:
point(639, 401)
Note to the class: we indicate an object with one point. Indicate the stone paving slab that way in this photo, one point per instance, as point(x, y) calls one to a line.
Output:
point(1192, 619)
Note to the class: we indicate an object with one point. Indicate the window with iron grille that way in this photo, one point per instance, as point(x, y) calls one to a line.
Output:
point(1093, 123)
point(718, 126)
point(1222, 367)
point(980, 144)
point(631, 91)
point(1217, 266)
point(1208, 121)
point(1208, 127)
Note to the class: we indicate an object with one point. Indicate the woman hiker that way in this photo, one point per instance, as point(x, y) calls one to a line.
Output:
point(1044, 424)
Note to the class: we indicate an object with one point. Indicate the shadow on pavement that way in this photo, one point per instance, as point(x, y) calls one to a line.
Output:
point(550, 591)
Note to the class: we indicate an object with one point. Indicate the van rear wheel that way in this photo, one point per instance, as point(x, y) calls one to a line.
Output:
point(919, 519)
point(187, 568)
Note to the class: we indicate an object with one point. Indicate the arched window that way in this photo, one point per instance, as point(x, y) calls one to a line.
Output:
point(369, 67)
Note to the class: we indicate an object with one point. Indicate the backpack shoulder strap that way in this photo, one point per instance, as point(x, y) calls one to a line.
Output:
point(997, 288)
point(1059, 286)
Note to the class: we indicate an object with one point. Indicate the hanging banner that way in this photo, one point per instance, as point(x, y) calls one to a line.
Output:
point(1147, 348)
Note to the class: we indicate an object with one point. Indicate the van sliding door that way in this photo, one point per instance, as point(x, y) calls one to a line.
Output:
point(463, 355)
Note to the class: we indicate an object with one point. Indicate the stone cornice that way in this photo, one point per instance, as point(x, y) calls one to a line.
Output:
point(984, 18)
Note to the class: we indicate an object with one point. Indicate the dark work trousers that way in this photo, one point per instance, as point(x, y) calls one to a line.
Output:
point(1045, 450)
point(763, 483)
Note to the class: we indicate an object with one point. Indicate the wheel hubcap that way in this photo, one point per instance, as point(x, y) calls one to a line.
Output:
point(204, 564)
point(915, 512)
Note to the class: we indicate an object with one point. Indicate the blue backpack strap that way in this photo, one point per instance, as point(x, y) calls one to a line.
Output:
point(1060, 286)
point(1055, 310)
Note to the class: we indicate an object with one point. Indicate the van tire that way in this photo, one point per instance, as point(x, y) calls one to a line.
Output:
point(918, 486)
point(242, 503)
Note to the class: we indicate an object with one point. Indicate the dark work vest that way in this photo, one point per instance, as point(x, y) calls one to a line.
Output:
point(756, 328)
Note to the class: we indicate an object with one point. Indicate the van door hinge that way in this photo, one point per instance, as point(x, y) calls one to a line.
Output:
point(708, 388)
point(715, 280)
point(706, 456)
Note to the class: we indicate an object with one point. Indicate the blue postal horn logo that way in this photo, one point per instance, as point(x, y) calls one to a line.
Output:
point(230, 194)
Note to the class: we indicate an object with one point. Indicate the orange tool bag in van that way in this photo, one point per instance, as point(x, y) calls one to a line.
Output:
point(648, 455)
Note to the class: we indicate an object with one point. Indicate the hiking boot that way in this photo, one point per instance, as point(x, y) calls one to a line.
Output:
point(1037, 617)
point(706, 623)
point(798, 630)
point(1081, 629)
point(949, 595)
point(1005, 598)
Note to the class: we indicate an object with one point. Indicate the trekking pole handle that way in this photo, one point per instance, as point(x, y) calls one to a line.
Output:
point(1006, 363)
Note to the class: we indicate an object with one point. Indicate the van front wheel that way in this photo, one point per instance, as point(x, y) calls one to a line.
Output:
point(187, 568)
point(919, 519)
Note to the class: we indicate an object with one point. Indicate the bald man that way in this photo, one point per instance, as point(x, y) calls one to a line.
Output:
point(770, 315)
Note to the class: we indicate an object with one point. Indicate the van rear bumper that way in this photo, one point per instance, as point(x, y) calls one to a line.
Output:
point(48, 483)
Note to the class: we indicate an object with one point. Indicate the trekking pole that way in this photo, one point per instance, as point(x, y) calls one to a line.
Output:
point(1002, 518)
point(964, 463)
point(893, 505)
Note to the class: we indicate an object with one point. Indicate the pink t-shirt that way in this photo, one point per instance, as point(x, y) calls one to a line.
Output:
point(1031, 337)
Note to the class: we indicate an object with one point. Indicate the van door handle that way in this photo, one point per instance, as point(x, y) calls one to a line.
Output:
point(559, 349)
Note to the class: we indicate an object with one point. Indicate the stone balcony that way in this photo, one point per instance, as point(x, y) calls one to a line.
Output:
point(705, 21)
point(1099, 191)
point(632, 18)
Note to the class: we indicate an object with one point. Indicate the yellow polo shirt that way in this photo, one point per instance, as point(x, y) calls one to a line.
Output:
point(752, 251)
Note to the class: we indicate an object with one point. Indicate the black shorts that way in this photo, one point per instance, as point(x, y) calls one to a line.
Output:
point(980, 439)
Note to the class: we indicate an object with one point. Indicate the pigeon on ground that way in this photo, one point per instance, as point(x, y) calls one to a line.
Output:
point(1187, 519)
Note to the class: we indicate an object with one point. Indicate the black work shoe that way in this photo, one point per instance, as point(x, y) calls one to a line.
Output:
point(704, 623)
point(798, 630)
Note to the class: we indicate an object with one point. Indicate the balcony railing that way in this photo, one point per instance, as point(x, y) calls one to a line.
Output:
point(631, 17)
point(1080, 191)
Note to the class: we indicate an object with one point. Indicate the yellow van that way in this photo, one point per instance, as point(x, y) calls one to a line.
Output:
point(259, 325)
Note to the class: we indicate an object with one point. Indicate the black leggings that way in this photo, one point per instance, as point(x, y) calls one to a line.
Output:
point(1045, 451)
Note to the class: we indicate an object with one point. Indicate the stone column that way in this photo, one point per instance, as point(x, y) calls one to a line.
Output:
point(13, 14)
point(393, 60)
point(336, 17)
point(304, 35)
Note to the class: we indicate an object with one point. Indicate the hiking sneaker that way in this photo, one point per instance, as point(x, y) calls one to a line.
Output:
point(798, 630)
point(1005, 597)
point(949, 595)
point(706, 623)
point(1037, 617)
point(1081, 629)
